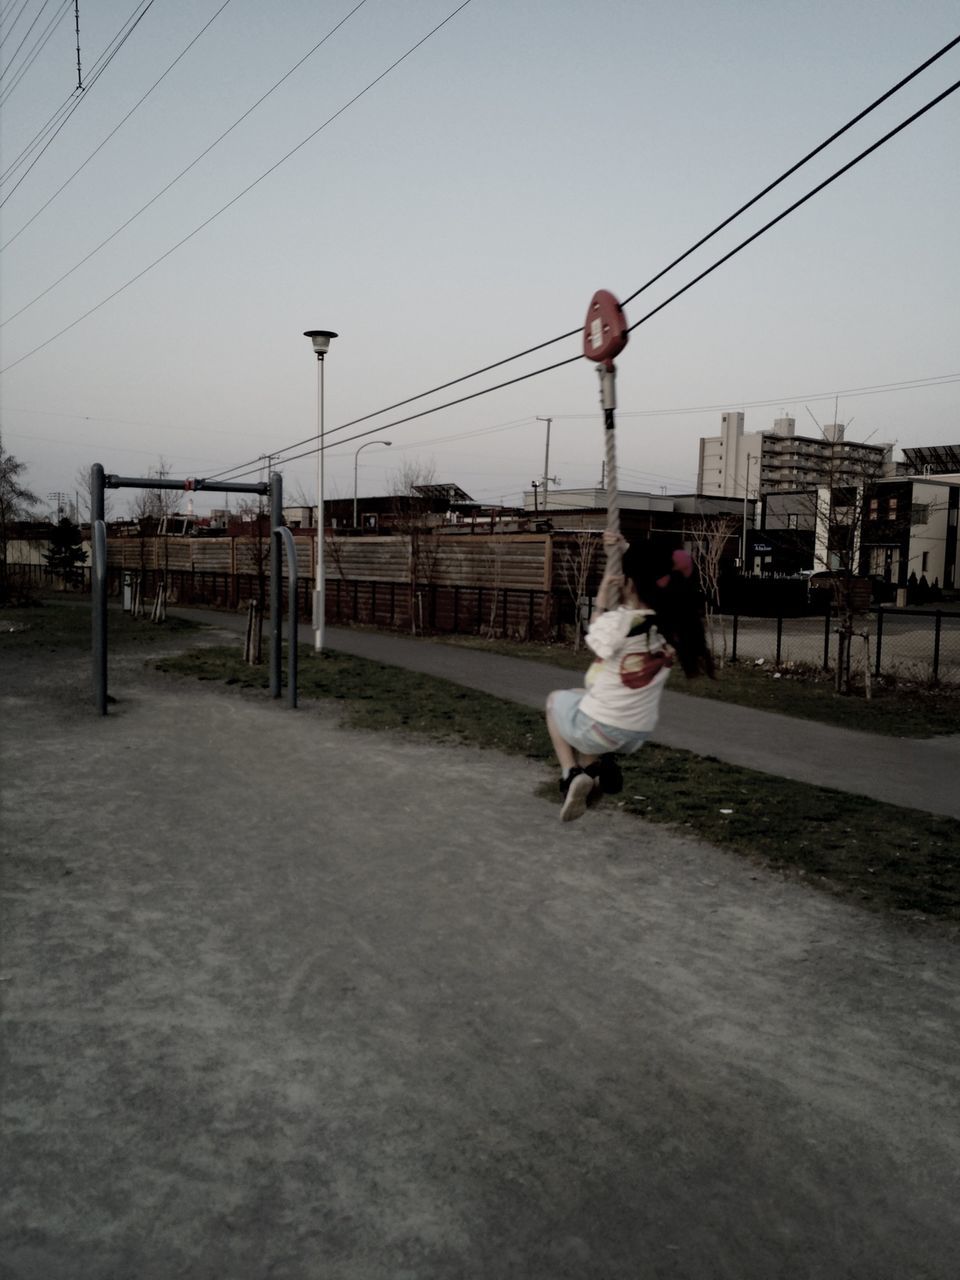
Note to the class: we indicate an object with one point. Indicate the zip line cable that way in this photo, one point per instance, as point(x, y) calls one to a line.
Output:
point(156, 262)
point(800, 163)
point(76, 97)
point(443, 386)
point(803, 200)
point(63, 186)
point(643, 319)
point(196, 160)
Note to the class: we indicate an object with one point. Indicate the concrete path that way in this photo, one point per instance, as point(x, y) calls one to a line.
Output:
point(912, 772)
point(283, 1000)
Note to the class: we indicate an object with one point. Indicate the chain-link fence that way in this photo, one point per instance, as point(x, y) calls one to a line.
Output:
point(920, 645)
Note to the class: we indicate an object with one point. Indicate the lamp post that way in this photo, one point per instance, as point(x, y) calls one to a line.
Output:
point(321, 339)
point(355, 456)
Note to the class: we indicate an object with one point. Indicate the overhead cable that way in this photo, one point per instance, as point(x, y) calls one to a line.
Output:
point(35, 52)
point(156, 262)
point(183, 172)
point(139, 103)
point(643, 319)
point(444, 386)
point(108, 55)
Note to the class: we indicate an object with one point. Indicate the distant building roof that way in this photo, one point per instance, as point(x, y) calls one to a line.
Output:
point(933, 460)
point(448, 492)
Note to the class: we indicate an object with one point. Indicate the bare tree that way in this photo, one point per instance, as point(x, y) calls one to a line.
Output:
point(16, 503)
point(84, 484)
point(411, 517)
point(577, 560)
point(712, 535)
point(253, 552)
point(154, 504)
point(834, 514)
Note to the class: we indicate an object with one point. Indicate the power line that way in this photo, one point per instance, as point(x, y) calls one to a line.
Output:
point(182, 54)
point(35, 52)
point(909, 384)
point(16, 19)
point(108, 55)
point(195, 161)
point(156, 262)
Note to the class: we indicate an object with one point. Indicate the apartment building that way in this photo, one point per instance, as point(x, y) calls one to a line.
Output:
point(737, 463)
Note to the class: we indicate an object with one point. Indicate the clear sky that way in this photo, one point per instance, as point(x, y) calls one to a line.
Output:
point(465, 208)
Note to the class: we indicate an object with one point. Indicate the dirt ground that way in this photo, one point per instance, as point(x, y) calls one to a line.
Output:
point(286, 1000)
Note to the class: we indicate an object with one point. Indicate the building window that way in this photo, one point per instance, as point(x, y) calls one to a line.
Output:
point(892, 509)
point(924, 561)
point(920, 513)
point(793, 520)
point(874, 508)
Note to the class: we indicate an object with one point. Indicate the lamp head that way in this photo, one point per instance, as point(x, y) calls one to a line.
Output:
point(321, 339)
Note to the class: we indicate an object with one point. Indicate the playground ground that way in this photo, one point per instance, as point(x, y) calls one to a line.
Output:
point(287, 1000)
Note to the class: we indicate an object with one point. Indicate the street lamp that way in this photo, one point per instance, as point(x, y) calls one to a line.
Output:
point(355, 456)
point(321, 339)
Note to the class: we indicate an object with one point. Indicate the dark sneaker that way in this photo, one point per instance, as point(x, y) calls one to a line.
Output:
point(577, 787)
point(608, 775)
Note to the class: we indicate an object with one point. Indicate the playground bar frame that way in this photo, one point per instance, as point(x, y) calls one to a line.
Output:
point(100, 481)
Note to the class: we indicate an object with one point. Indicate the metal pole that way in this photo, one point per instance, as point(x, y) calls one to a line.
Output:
point(386, 444)
point(355, 457)
point(546, 460)
point(319, 602)
point(276, 585)
point(98, 589)
point(743, 550)
point(283, 534)
point(936, 647)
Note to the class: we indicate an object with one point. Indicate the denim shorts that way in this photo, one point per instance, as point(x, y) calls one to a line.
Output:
point(586, 734)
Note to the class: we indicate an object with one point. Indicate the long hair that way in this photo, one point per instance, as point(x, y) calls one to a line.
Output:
point(666, 582)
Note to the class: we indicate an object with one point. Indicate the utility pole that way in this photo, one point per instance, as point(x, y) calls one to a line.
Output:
point(743, 551)
point(547, 477)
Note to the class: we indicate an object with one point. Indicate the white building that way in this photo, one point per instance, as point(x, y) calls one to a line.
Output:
point(737, 463)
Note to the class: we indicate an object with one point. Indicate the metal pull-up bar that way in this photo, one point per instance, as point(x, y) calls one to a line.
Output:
point(100, 481)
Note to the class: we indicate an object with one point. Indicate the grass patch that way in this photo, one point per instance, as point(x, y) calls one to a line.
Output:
point(896, 710)
point(880, 856)
point(808, 693)
point(68, 625)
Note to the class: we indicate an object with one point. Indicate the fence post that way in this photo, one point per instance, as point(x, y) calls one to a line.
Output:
point(828, 618)
point(736, 627)
point(779, 636)
point(936, 647)
point(876, 665)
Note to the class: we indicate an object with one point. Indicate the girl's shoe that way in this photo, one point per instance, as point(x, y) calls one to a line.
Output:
point(608, 775)
point(576, 787)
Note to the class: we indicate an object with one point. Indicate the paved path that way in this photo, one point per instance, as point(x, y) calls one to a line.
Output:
point(912, 772)
point(285, 1000)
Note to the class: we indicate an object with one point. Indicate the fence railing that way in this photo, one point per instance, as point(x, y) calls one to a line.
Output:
point(919, 644)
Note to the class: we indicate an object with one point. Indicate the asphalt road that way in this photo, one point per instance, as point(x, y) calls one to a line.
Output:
point(285, 1000)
